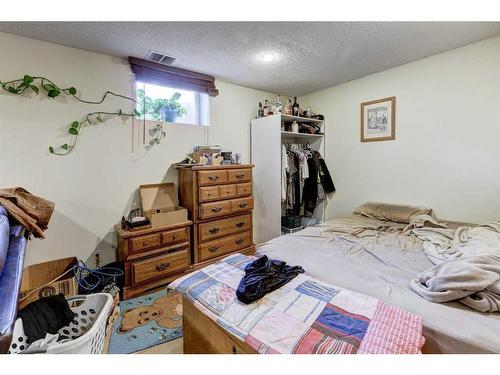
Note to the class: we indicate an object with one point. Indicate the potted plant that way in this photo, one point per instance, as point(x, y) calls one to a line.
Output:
point(160, 109)
point(171, 108)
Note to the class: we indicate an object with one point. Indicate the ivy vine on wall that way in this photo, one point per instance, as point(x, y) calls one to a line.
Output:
point(36, 84)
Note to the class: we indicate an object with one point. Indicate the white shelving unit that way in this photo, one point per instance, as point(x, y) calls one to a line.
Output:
point(266, 140)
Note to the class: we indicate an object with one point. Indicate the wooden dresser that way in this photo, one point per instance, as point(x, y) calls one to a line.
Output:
point(220, 203)
point(153, 257)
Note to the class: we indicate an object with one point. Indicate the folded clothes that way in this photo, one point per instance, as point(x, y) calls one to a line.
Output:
point(46, 315)
point(262, 276)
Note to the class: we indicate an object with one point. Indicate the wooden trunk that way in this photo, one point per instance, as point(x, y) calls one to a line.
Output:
point(203, 336)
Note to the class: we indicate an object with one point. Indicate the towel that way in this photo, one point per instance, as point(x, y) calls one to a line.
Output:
point(473, 281)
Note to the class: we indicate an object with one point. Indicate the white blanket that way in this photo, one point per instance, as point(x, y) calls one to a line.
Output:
point(467, 265)
point(474, 281)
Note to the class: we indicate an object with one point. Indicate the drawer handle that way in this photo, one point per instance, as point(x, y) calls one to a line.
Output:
point(239, 241)
point(216, 209)
point(145, 243)
point(209, 194)
point(240, 224)
point(213, 249)
point(162, 267)
point(228, 191)
point(243, 204)
point(213, 177)
point(213, 230)
point(174, 236)
point(240, 175)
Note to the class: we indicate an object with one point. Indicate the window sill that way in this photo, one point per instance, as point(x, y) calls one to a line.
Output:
point(152, 123)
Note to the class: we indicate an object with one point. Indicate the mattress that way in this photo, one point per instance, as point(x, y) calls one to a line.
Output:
point(381, 263)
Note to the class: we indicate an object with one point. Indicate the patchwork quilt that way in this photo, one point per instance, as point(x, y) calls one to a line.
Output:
point(303, 316)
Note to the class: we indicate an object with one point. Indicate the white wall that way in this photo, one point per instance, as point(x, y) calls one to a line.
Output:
point(447, 149)
point(96, 184)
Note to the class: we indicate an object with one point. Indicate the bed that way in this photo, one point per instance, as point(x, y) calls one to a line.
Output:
point(371, 256)
point(381, 265)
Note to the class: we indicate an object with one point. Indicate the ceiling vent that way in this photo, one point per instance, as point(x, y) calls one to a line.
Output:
point(160, 58)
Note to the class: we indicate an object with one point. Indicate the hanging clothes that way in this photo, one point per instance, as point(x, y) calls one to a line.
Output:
point(310, 196)
point(284, 172)
point(326, 179)
point(306, 180)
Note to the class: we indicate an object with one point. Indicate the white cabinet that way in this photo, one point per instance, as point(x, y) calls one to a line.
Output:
point(266, 140)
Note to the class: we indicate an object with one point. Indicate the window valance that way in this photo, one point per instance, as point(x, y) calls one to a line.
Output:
point(159, 74)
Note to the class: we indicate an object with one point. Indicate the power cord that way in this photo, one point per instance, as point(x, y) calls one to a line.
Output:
point(89, 279)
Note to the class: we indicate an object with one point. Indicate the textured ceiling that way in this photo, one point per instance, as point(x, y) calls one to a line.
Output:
point(311, 55)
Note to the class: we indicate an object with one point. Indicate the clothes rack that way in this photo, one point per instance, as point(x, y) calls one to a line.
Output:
point(267, 138)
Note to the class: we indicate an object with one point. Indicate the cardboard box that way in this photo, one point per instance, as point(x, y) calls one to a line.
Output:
point(40, 276)
point(160, 204)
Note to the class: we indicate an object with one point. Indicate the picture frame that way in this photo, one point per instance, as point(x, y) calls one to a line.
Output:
point(378, 120)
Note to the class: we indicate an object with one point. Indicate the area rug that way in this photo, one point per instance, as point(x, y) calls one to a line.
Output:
point(146, 321)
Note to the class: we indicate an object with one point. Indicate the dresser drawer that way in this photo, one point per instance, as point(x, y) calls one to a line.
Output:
point(241, 204)
point(224, 227)
point(173, 236)
point(227, 191)
point(145, 242)
point(242, 190)
point(212, 177)
point(209, 193)
point(215, 209)
point(225, 245)
point(239, 175)
point(159, 266)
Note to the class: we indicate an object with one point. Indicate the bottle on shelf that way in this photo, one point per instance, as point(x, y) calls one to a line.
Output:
point(294, 127)
point(295, 107)
point(288, 107)
point(260, 110)
point(308, 112)
point(265, 109)
point(277, 105)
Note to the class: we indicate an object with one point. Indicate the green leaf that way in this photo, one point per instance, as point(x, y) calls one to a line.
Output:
point(53, 93)
point(176, 96)
point(119, 112)
point(51, 149)
point(34, 88)
point(99, 119)
point(65, 146)
point(73, 131)
point(75, 124)
point(72, 90)
point(13, 90)
point(47, 87)
point(27, 80)
point(136, 112)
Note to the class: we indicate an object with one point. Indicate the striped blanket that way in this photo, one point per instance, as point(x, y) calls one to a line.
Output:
point(303, 316)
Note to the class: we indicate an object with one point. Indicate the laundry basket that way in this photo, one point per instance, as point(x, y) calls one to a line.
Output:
point(85, 333)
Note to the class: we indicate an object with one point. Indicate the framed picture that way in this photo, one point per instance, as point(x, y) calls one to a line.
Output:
point(378, 120)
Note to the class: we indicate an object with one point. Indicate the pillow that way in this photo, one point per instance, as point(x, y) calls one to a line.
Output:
point(391, 212)
point(4, 237)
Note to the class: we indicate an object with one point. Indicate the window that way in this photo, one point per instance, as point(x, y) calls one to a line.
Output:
point(158, 102)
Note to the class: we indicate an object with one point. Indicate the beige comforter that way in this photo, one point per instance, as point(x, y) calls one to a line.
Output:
point(467, 259)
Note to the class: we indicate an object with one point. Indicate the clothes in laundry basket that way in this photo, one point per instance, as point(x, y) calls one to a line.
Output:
point(46, 315)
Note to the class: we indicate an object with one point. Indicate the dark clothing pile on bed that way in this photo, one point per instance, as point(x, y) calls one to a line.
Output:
point(46, 315)
point(262, 276)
